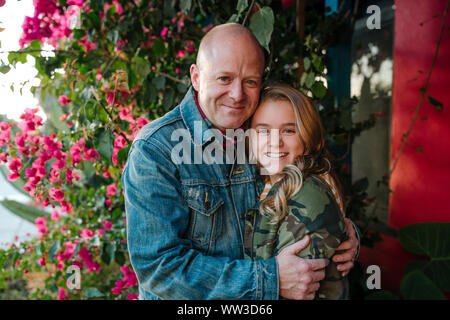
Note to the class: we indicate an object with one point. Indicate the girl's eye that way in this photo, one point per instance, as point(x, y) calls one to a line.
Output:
point(289, 131)
point(262, 131)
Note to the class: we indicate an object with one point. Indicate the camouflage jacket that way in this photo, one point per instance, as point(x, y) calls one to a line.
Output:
point(313, 211)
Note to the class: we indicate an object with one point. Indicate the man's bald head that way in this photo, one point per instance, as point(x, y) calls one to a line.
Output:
point(222, 33)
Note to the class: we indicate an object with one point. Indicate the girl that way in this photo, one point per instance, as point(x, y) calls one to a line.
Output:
point(301, 195)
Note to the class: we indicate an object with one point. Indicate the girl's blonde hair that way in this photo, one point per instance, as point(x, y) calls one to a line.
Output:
point(315, 157)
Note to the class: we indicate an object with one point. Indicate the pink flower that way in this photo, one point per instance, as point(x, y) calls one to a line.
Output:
point(2, 3)
point(86, 233)
point(180, 54)
point(111, 190)
point(55, 215)
point(164, 32)
point(41, 261)
point(107, 225)
point(61, 293)
point(39, 221)
point(58, 165)
point(56, 194)
point(132, 296)
point(13, 176)
point(100, 232)
point(108, 202)
point(64, 100)
point(15, 164)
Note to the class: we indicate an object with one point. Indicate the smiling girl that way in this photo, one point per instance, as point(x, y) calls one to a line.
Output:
point(302, 195)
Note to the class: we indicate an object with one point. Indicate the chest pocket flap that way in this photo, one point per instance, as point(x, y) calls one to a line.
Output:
point(203, 199)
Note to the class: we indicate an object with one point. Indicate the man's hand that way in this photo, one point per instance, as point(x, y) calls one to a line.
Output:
point(299, 278)
point(350, 246)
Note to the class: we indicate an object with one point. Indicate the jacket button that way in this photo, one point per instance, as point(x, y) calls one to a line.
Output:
point(243, 215)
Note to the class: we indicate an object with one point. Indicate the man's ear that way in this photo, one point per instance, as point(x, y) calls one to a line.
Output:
point(195, 77)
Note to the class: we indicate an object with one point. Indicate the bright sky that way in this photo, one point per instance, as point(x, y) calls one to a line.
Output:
point(13, 103)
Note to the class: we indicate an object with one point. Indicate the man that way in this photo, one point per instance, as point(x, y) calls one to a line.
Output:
point(186, 221)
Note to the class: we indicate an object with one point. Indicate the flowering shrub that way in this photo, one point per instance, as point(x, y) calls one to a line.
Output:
point(116, 66)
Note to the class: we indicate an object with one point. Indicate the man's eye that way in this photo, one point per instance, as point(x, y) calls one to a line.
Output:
point(224, 79)
point(252, 82)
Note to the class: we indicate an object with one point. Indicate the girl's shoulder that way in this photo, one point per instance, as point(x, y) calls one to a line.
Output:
point(313, 189)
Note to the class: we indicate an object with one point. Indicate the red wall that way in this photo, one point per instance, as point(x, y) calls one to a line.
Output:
point(421, 180)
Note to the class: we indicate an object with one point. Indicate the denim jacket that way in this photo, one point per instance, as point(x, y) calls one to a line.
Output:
point(186, 222)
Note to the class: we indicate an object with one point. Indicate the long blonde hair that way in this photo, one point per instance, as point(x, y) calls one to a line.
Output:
point(313, 161)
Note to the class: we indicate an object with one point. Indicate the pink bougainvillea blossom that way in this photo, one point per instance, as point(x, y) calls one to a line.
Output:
point(55, 215)
point(41, 225)
point(56, 194)
point(86, 233)
point(111, 190)
point(15, 164)
point(61, 293)
point(64, 100)
point(107, 225)
point(86, 256)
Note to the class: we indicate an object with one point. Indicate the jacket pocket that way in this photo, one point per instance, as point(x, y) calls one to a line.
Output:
point(205, 218)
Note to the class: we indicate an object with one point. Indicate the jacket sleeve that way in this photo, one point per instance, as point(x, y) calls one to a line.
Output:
point(165, 262)
point(314, 212)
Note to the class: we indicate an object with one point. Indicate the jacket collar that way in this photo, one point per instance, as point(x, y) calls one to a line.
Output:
point(200, 129)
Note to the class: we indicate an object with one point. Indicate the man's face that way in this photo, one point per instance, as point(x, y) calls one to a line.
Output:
point(228, 81)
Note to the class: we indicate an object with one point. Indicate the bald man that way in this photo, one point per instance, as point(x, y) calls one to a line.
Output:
point(185, 219)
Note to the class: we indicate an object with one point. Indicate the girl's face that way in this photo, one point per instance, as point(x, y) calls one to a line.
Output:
point(275, 141)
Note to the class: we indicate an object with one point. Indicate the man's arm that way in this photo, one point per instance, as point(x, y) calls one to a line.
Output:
point(164, 260)
point(350, 248)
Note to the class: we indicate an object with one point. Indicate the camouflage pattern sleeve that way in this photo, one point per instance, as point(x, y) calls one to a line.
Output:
point(312, 211)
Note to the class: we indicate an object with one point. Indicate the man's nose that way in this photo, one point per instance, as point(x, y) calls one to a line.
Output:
point(276, 139)
point(236, 91)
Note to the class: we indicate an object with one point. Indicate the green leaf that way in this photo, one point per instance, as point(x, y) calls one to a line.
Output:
point(306, 63)
point(140, 67)
point(437, 104)
point(262, 26)
point(169, 94)
point(92, 293)
point(119, 258)
point(185, 6)
point(317, 63)
point(123, 154)
point(4, 68)
point(94, 20)
point(159, 49)
point(241, 6)
point(309, 81)
point(14, 57)
point(234, 18)
point(417, 286)
point(108, 253)
point(319, 90)
point(53, 250)
point(430, 239)
point(105, 144)
point(24, 211)
point(90, 110)
point(159, 82)
point(116, 213)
